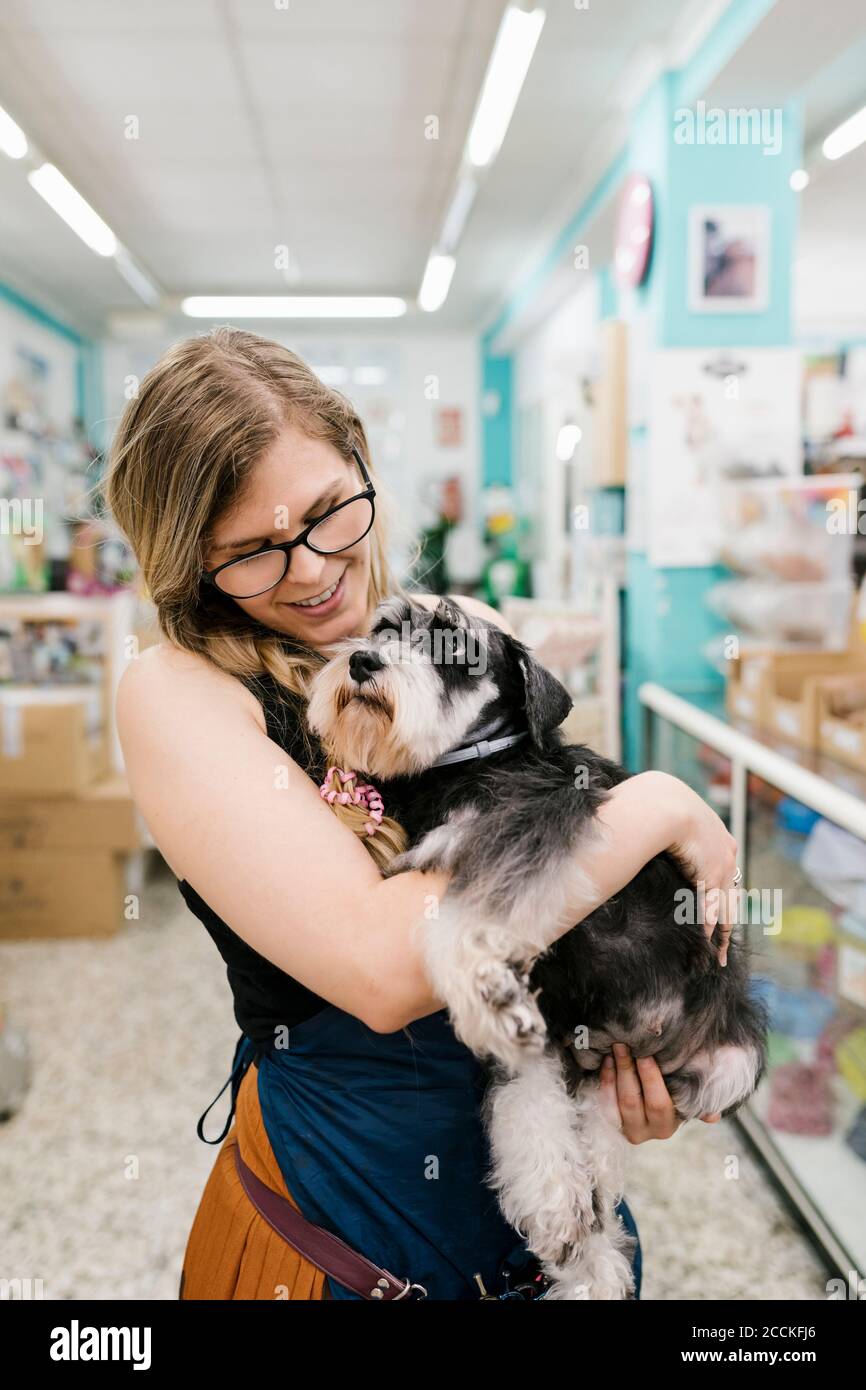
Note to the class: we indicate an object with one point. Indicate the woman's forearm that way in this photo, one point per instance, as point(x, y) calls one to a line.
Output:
point(635, 823)
point(639, 819)
point(390, 979)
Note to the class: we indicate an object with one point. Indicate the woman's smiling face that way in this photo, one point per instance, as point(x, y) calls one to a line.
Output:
point(294, 482)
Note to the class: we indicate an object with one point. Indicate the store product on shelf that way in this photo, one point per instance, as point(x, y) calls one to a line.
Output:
point(775, 529)
point(835, 861)
point(793, 587)
point(787, 615)
point(32, 650)
point(780, 1049)
point(854, 926)
point(842, 1023)
point(801, 1100)
point(825, 968)
point(804, 931)
point(851, 972)
point(856, 1136)
point(801, 1013)
point(794, 821)
point(851, 1060)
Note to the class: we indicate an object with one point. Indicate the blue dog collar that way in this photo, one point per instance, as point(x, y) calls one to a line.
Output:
point(482, 746)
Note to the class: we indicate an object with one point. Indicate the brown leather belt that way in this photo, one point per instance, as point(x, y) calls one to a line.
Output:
point(326, 1251)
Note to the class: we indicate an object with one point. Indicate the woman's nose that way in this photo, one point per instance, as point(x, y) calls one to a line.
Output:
point(363, 665)
point(305, 566)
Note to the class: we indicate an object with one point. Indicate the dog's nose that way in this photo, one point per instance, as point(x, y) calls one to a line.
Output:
point(364, 665)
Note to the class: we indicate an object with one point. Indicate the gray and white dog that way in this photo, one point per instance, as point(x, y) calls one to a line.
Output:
point(457, 723)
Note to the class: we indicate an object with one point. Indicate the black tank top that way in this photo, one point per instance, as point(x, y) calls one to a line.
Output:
point(265, 998)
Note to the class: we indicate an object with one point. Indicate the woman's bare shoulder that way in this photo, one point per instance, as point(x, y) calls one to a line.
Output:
point(164, 677)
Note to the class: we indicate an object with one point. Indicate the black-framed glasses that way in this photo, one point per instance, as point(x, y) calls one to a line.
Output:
point(339, 528)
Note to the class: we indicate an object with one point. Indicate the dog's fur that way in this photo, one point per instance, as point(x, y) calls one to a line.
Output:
point(545, 1007)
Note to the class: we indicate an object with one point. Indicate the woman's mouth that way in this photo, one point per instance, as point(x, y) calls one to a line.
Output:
point(319, 605)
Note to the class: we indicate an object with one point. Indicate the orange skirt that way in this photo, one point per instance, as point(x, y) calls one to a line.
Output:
point(232, 1252)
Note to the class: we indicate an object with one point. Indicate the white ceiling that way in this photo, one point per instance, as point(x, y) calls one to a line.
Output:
point(303, 127)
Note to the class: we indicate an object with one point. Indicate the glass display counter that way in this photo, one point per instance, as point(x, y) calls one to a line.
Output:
point(800, 822)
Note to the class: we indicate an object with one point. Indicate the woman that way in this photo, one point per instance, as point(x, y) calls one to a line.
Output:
point(360, 1106)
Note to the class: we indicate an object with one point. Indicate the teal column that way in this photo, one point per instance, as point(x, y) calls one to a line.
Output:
point(667, 621)
point(496, 420)
point(91, 395)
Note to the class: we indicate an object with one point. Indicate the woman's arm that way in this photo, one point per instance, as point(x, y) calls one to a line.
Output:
point(237, 818)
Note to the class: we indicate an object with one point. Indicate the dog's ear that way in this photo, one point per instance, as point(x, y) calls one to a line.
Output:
point(449, 614)
point(546, 699)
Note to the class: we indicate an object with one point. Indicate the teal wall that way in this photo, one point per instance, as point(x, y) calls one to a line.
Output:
point(88, 371)
point(497, 431)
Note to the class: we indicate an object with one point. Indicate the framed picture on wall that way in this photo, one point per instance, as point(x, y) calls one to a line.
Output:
point(729, 258)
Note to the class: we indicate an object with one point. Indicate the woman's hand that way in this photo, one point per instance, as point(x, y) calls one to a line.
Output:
point(705, 849)
point(636, 1089)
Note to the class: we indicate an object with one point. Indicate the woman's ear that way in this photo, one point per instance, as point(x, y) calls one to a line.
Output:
point(547, 700)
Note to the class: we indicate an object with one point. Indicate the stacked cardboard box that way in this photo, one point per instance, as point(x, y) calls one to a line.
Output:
point(65, 828)
point(786, 692)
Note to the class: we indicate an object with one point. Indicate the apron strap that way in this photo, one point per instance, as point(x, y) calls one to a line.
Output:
point(326, 1251)
point(245, 1052)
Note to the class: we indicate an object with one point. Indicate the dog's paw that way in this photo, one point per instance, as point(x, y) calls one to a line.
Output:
point(503, 1020)
point(557, 1236)
point(600, 1272)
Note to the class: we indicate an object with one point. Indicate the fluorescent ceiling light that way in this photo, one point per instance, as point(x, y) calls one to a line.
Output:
point(292, 306)
point(369, 376)
point(436, 283)
point(455, 217)
point(509, 63)
point(847, 136)
point(799, 180)
point(68, 203)
point(332, 376)
point(13, 141)
point(135, 277)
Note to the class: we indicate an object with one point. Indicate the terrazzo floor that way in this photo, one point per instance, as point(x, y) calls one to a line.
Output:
point(101, 1170)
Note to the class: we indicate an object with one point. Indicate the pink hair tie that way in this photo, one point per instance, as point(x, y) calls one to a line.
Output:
point(363, 795)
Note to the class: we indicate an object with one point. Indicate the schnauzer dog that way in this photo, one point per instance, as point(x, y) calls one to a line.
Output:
point(458, 724)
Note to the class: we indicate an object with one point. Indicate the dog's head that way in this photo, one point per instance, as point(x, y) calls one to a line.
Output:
point(391, 703)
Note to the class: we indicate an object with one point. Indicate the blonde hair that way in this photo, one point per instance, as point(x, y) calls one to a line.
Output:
point(184, 449)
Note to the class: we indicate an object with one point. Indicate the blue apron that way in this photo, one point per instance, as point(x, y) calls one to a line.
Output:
point(379, 1139)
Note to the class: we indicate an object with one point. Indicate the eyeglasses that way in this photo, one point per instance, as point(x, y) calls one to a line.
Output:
point(337, 529)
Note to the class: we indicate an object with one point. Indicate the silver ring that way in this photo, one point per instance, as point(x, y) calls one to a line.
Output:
point(738, 876)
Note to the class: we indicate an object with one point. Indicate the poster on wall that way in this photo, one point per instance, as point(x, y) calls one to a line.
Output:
point(729, 258)
point(449, 427)
point(716, 415)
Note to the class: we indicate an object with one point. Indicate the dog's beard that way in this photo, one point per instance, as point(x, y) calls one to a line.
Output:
point(394, 724)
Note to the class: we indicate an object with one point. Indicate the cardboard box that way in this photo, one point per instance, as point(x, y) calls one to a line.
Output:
point(778, 691)
point(52, 740)
point(843, 736)
point(103, 817)
point(745, 693)
point(48, 894)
